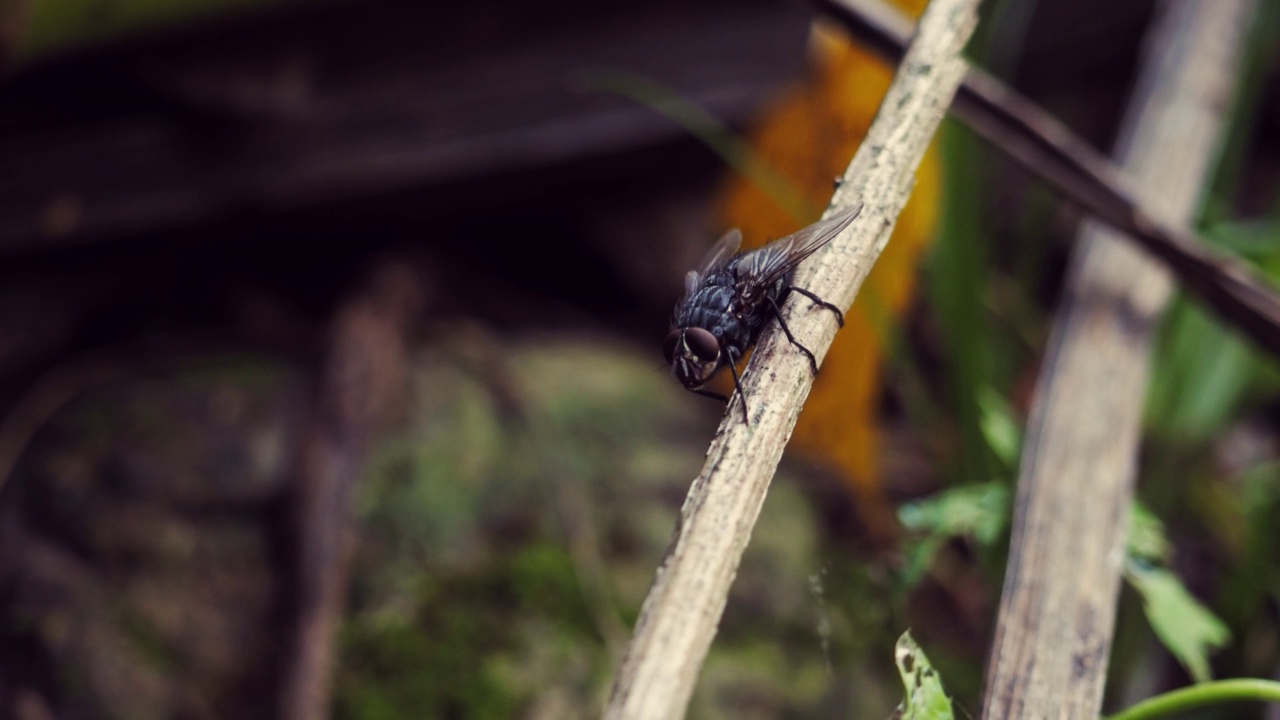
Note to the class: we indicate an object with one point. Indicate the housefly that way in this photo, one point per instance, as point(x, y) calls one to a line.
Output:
point(731, 295)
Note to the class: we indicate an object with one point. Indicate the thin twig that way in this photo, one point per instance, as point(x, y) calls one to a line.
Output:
point(1044, 146)
point(362, 380)
point(684, 605)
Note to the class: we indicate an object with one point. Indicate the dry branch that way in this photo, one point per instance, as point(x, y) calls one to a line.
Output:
point(363, 376)
point(1054, 632)
point(1044, 146)
point(683, 608)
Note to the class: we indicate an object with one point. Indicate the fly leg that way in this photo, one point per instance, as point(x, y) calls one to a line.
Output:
point(819, 302)
point(813, 363)
point(737, 384)
point(712, 395)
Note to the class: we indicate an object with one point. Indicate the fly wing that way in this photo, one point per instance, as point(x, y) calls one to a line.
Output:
point(718, 255)
point(761, 268)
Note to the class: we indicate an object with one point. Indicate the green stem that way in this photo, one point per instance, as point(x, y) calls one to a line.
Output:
point(1209, 693)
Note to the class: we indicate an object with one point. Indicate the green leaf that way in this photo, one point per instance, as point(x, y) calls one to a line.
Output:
point(982, 512)
point(925, 698)
point(1204, 372)
point(1202, 375)
point(919, 557)
point(958, 277)
point(1185, 626)
point(1000, 428)
point(978, 511)
point(1147, 540)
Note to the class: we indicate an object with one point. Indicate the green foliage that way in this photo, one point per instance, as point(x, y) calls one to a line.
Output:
point(1206, 373)
point(519, 551)
point(1255, 500)
point(482, 594)
point(1000, 428)
point(976, 511)
point(1147, 541)
point(925, 698)
point(433, 666)
point(957, 279)
point(1187, 628)
point(474, 643)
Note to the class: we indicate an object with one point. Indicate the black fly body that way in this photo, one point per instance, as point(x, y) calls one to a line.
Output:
point(731, 295)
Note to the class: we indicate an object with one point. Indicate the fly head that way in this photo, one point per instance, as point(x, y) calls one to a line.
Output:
point(694, 355)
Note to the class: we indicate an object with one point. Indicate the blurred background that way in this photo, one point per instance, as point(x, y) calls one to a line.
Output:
point(330, 379)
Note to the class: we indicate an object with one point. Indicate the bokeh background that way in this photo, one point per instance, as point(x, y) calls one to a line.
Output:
point(330, 380)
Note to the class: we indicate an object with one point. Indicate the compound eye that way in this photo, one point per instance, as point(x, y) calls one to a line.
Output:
point(703, 344)
point(669, 345)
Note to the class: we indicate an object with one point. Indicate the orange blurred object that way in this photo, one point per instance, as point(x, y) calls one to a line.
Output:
point(808, 136)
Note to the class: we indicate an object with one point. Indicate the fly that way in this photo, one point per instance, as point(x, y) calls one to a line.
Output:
point(731, 295)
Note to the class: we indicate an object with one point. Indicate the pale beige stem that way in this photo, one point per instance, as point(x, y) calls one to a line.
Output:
point(1057, 613)
point(684, 606)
